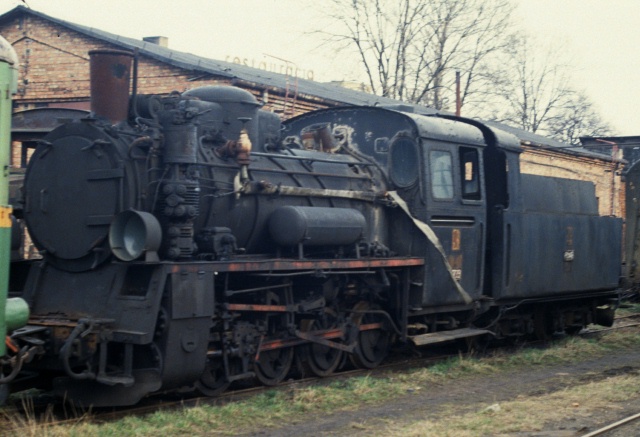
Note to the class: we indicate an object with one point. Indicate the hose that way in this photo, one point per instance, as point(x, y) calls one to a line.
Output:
point(16, 366)
point(65, 352)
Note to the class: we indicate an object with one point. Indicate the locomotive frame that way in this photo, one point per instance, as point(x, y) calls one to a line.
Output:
point(175, 255)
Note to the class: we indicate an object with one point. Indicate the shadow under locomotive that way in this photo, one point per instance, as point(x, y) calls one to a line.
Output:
point(193, 240)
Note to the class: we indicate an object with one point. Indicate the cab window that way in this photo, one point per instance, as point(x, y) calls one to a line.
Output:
point(469, 173)
point(441, 174)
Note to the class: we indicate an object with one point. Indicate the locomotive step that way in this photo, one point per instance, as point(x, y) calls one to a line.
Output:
point(442, 336)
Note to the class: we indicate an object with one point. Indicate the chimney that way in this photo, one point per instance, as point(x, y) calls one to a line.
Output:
point(162, 41)
point(110, 76)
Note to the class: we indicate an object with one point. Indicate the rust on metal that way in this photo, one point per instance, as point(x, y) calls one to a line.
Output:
point(110, 72)
point(49, 322)
point(455, 240)
point(274, 265)
point(303, 338)
point(370, 326)
point(280, 343)
point(11, 345)
point(255, 307)
point(325, 342)
point(569, 237)
point(320, 337)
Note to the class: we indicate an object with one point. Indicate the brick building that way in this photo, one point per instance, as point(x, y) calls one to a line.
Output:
point(54, 73)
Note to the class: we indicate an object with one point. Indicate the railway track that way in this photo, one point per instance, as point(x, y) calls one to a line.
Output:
point(627, 421)
point(61, 415)
point(175, 401)
point(620, 322)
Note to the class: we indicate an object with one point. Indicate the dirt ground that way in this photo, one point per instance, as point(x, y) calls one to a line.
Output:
point(475, 393)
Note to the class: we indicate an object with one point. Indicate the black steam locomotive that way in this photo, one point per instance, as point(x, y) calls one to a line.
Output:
point(193, 240)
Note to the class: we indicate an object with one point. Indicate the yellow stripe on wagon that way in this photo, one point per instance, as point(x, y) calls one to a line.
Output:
point(5, 216)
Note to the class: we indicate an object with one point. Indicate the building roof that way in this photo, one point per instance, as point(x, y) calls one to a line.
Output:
point(530, 139)
point(608, 142)
point(198, 64)
point(266, 79)
point(629, 145)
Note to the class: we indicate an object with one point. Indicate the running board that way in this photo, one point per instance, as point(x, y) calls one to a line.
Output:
point(442, 336)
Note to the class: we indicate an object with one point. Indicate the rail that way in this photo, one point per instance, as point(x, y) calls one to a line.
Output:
point(612, 426)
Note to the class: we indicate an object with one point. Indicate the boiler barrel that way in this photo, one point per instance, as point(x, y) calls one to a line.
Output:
point(316, 226)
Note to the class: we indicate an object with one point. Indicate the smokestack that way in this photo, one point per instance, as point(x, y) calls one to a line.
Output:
point(110, 81)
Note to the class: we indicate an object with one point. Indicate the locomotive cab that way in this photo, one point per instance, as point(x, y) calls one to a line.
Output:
point(437, 167)
point(452, 201)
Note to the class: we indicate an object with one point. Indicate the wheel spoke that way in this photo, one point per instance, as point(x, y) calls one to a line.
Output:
point(322, 360)
point(273, 366)
point(213, 380)
point(373, 345)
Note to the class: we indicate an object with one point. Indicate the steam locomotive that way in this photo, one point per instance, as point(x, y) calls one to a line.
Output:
point(193, 240)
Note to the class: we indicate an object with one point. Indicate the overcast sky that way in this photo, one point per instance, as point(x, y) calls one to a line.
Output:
point(603, 37)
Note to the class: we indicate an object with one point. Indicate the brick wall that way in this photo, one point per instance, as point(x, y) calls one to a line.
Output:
point(52, 60)
point(604, 174)
point(54, 72)
point(54, 64)
point(54, 68)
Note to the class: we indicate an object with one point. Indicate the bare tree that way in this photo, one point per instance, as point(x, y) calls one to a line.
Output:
point(409, 49)
point(533, 87)
point(533, 93)
point(382, 33)
point(578, 118)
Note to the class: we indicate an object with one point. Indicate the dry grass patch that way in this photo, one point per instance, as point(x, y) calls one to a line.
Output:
point(628, 308)
point(575, 405)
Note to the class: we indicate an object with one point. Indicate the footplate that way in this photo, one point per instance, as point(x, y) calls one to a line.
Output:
point(442, 336)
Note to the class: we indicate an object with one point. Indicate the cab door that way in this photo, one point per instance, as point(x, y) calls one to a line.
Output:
point(455, 210)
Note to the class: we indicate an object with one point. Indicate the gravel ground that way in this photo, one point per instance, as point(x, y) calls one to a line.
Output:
point(474, 393)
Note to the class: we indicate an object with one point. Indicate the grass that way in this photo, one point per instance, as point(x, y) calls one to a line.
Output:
point(628, 308)
point(571, 407)
point(265, 410)
point(276, 407)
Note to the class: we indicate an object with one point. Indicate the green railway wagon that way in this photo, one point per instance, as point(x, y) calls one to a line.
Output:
point(14, 312)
